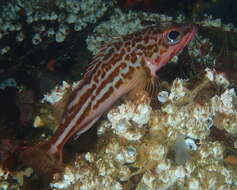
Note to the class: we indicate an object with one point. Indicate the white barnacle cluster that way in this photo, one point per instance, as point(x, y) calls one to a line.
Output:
point(177, 126)
point(209, 21)
point(18, 177)
point(121, 23)
point(212, 149)
point(66, 180)
point(127, 155)
point(178, 90)
point(228, 101)
point(97, 173)
point(10, 82)
point(49, 19)
point(218, 78)
point(118, 24)
point(163, 96)
point(123, 117)
point(3, 173)
point(166, 179)
point(56, 94)
point(196, 118)
point(20, 36)
point(193, 119)
point(202, 50)
point(5, 50)
point(224, 104)
point(4, 176)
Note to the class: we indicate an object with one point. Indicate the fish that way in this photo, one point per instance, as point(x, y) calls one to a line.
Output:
point(121, 66)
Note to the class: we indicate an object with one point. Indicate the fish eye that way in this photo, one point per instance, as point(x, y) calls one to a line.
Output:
point(173, 37)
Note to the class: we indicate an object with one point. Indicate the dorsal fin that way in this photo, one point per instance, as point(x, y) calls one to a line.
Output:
point(106, 52)
point(109, 49)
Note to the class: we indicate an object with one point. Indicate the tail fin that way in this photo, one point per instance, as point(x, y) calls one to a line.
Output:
point(41, 160)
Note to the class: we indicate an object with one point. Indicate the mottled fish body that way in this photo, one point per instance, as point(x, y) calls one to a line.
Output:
point(122, 65)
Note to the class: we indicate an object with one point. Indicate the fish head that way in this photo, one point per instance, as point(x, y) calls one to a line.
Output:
point(172, 40)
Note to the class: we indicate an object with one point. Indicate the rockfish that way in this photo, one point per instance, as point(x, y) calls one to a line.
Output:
point(122, 65)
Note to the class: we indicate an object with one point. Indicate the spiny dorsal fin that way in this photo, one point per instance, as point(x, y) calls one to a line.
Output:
point(106, 52)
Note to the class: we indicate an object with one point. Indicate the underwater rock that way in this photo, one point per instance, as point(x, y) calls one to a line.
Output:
point(122, 116)
point(49, 18)
point(121, 24)
point(135, 140)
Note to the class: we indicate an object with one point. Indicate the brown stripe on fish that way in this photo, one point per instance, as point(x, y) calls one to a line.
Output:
point(75, 121)
point(127, 57)
point(97, 75)
point(104, 97)
point(127, 43)
point(140, 46)
point(108, 54)
point(146, 39)
point(110, 78)
point(83, 97)
point(162, 50)
point(133, 57)
point(129, 74)
point(118, 45)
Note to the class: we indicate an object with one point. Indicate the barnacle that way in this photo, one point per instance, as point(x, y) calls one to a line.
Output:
point(195, 166)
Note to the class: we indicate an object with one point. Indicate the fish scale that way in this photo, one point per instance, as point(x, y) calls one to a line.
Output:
point(123, 65)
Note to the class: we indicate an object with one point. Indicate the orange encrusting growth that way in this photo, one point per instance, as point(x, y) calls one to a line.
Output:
point(121, 66)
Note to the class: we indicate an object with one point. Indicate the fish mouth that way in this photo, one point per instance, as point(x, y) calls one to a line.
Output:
point(191, 31)
point(187, 38)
